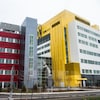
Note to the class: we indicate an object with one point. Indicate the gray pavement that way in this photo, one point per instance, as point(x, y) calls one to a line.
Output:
point(76, 94)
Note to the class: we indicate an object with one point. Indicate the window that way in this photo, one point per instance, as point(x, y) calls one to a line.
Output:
point(30, 51)
point(1, 72)
point(90, 61)
point(83, 71)
point(95, 71)
point(89, 52)
point(10, 40)
point(6, 84)
point(47, 51)
point(87, 71)
point(44, 39)
point(30, 62)
point(9, 50)
point(98, 71)
point(83, 42)
point(7, 72)
point(85, 61)
point(80, 50)
point(86, 43)
point(47, 45)
point(31, 40)
point(82, 35)
point(84, 51)
point(8, 61)
point(44, 46)
point(3, 39)
point(90, 71)
point(98, 41)
point(2, 49)
point(93, 45)
point(81, 60)
point(66, 44)
point(16, 61)
point(88, 31)
point(92, 39)
point(55, 24)
point(15, 72)
point(17, 41)
point(1, 60)
point(16, 51)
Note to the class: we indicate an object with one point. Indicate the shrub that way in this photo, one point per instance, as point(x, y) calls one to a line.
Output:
point(35, 87)
point(24, 89)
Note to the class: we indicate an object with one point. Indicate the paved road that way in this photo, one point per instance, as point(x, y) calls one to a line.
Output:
point(76, 95)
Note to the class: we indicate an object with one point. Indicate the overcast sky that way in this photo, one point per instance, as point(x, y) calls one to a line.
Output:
point(15, 11)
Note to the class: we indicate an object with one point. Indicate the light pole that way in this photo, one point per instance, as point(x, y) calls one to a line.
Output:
point(11, 83)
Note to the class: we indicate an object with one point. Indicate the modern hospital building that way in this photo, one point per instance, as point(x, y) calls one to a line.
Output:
point(66, 47)
point(74, 47)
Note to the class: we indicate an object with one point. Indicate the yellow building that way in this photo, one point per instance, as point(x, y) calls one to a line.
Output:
point(65, 72)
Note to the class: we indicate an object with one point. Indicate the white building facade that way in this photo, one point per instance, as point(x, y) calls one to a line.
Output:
point(85, 49)
point(43, 48)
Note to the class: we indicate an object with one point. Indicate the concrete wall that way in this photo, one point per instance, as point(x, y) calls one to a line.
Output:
point(30, 55)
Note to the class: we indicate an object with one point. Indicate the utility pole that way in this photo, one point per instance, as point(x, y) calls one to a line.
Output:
point(11, 83)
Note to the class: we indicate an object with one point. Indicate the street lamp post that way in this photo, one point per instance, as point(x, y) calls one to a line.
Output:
point(11, 83)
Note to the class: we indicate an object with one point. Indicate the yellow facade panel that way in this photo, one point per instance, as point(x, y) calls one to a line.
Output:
point(73, 74)
point(57, 27)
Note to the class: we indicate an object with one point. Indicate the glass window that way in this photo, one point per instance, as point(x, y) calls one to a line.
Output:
point(90, 71)
point(31, 40)
point(82, 35)
point(83, 71)
point(88, 31)
point(97, 71)
point(87, 71)
point(44, 39)
point(15, 72)
point(30, 62)
point(6, 84)
point(30, 51)
point(94, 71)
point(16, 61)
point(47, 45)
point(1, 60)
point(1, 72)
point(80, 50)
point(3, 39)
point(10, 40)
point(80, 41)
point(7, 72)
point(16, 51)
point(2, 49)
point(85, 61)
point(8, 61)
point(9, 50)
point(82, 60)
point(17, 41)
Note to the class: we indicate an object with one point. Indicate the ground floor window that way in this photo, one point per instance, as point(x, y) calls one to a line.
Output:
point(7, 84)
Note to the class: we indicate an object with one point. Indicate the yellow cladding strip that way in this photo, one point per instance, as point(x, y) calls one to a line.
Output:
point(60, 48)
